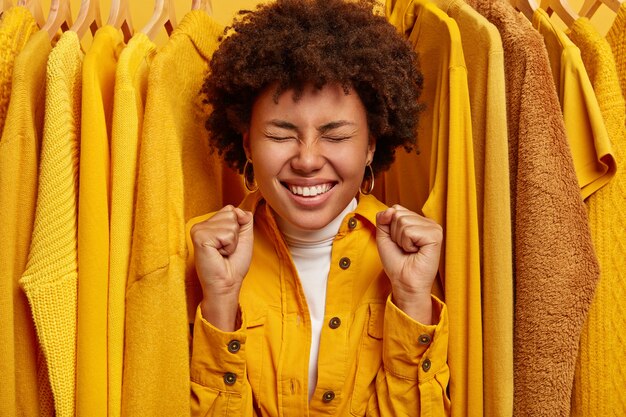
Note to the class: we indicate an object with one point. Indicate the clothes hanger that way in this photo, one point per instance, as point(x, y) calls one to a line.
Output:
point(206, 5)
point(5, 5)
point(34, 6)
point(119, 18)
point(163, 16)
point(59, 17)
point(589, 7)
point(88, 18)
point(527, 7)
point(562, 9)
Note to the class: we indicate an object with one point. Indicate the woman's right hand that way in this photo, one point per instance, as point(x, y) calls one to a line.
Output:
point(222, 253)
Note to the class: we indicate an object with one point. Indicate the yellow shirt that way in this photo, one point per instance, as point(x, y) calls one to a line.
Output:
point(616, 37)
point(372, 363)
point(93, 222)
point(441, 182)
point(484, 57)
point(586, 133)
point(601, 366)
point(16, 27)
point(50, 278)
point(19, 163)
point(131, 83)
point(178, 178)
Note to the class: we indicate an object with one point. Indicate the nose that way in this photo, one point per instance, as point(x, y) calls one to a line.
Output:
point(308, 158)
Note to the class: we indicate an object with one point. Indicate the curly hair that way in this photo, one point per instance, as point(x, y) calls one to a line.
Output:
point(292, 43)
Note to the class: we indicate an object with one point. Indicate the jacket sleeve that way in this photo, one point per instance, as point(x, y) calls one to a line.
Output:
point(219, 382)
point(414, 377)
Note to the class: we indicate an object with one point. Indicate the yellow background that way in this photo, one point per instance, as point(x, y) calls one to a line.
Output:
point(223, 11)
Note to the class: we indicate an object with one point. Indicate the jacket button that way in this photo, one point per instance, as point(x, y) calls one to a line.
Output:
point(426, 365)
point(230, 378)
point(234, 346)
point(352, 223)
point(344, 263)
point(334, 322)
point(424, 339)
point(328, 396)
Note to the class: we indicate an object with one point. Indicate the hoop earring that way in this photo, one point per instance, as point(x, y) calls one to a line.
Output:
point(367, 185)
point(248, 177)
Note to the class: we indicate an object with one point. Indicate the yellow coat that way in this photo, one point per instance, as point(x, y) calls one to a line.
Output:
point(441, 182)
point(377, 362)
point(178, 178)
point(586, 133)
point(131, 83)
point(21, 366)
point(93, 222)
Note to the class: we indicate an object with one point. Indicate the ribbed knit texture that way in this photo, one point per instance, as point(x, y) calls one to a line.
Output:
point(601, 367)
point(20, 363)
point(131, 82)
point(616, 37)
point(51, 272)
point(93, 222)
point(555, 266)
point(16, 27)
point(177, 179)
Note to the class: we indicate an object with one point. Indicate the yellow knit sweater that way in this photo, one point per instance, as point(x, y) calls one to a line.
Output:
point(50, 276)
point(21, 359)
point(178, 179)
point(601, 367)
point(16, 27)
point(616, 37)
point(131, 82)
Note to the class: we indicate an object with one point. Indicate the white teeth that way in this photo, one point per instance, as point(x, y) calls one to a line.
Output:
point(310, 191)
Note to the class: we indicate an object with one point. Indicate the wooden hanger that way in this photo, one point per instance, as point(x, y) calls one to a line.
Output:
point(119, 17)
point(589, 7)
point(206, 5)
point(88, 18)
point(527, 7)
point(5, 5)
point(562, 9)
point(59, 17)
point(163, 16)
point(34, 6)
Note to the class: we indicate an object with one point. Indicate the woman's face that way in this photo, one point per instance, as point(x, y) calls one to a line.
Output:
point(309, 155)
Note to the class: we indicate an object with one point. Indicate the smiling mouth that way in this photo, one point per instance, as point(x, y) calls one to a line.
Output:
point(311, 191)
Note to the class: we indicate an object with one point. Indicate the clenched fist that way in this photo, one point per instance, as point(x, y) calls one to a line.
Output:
point(222, 252)
point(409, 246)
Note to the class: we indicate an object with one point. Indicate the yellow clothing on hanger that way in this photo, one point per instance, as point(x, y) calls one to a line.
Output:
point(601, 367)
point(371, 363)
point(50, 278)
point(23, 373)
point(586, 132)
point(93, 222)
point(617, 39)
point(131, 83)
point(178, 178)
point(16, 27)
point(441, 182)
point(484, 58)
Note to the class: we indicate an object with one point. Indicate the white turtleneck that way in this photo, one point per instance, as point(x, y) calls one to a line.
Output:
point(311, 251)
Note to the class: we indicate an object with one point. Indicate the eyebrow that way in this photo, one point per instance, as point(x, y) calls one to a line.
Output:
point(323, 128)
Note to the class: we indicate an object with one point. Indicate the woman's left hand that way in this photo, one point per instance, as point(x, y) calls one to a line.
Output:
point(409, 246)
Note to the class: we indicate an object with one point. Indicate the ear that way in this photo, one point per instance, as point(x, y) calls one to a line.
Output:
point(371, 148)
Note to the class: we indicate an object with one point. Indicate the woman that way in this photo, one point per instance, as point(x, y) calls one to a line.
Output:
point(316, 296)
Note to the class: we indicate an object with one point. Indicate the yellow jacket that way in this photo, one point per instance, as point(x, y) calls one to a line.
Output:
point(377, 362)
